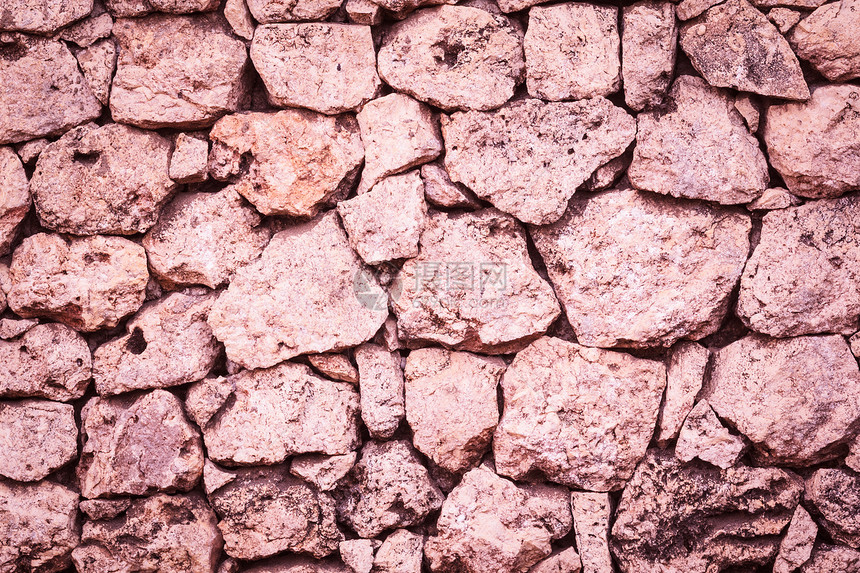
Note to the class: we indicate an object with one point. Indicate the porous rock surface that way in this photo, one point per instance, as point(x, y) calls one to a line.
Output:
point(14, 197)
point(39, 436)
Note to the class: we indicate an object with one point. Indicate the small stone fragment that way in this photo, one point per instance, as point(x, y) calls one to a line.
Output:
point(388, 488)
point(720, 43)
point(442, 192)
point(703, 436)
point(608, 174)
point(832, 558)
point(138, 445)
point(189, 73)
point(564, 561)
point(386, 222)
point(98, 509)
point(329, 68)
point(828, 39)
point(88, 31)
point(40, 17)
point(401, 552)
point(44, 92)
point(14, 198)
point(29, 150)
point(364, 12)
point(164, 533)
point(13, 328)
point(39, 527)
point(685, 372)
point(835, 498)
point(454, 57)
point(451, 405)
point(774, 198)
point(784, 19)
point(639, 270)
point(334, 366)
point(792, 397)
point(529, 157)
point(300, 564)
point(572, 51)
point(381, 389)
point(298, 159)
point(190, 159)
point(591, 513)
point(265, 511)
point(698, 147)
point(322, 471)
point(239, 17)
point(264, 416)
point(98, 63)
point(749, 108)
point(38, 437)
point(357, 554)
point(814, 248)
point(495, 303)
point(649, 45)
point(268, 11)
point(689, 9)
point(339, 312)
point(813, 144)
point(203, 238)
point(88, 283)
point(111, 179)
point(489, 523)
point(796, 547)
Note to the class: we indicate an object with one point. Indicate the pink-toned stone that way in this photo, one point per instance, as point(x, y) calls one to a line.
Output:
point(322, 471)
point(649, 45)
point(268, 11)
point(41, 17)
point(796, 546)
point(190, 159)
point(685, 373)
point(442, 192)
point(38, 437)
point(828, 39)
point(14, 198)
point(381, 389)
point(834, 498)
point(703, 436)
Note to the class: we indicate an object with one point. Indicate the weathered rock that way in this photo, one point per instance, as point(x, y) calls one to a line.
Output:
point(265, 511)
point(442, 192)
point(386, 222)
point(138, 445)
point(189, 72)
point(264, 416)
point(784, 19)
point(828, 39)
point(329, 68)
point(451, 405)
point(640, 270)
point(239, 17)
point(190, 159)
point(334, 366)
point(582, 417)
point(98, 509)
point(703, 436)
point(381, 389)
point(472, 286)
point(88, 283)
point(685, 373)
point(14, 197)
point(268, 11)
point(695, 517)
point(298, 159)
point(300, 564)
point(799, 4)
point(489, 523)
point(796, 546)
point(827, 558)
point(84, 33)
point(165, 533)
point(564, 561)
point(388, 488)
point(609, 174)
point(802, 277)
point(111, 179)
point(29, 150)
point(364, 12)
point(454, 57)
point(774, 198)
point(733, 45)
point(357, 554)
point(813, 144)
point(698, 147)
point(203, 238)
point(43, 91)
point(748, 106)
point(591, 514)
point(689, 9)
point(39, 526)
point(793, 398)
point(398, 133)
point(529, 157)
point(14, 327)
point(98, 63)
point(322, 471)
point(401, 552)
point(854, 343)
point(45, 18)
point(649, 45)
point(572, 51)
point(134, 8)
point(835, 498)
point(38, 437)
point(334, 315)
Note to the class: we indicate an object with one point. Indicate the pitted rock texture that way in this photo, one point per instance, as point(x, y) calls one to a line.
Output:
point(134, 8)
point(834, 495)
point(98, 63)
point(43, 18)
point(827, 39)
point(39, 436)
point(322, 471)
point(649, 46)
point(381, 387)
point(703, 436)
point(685, 374)
point(268, 11)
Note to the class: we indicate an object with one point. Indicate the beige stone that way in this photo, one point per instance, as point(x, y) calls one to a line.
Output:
point(381, 389)
point(828, 39)
point(357, 554)
point(322, 471)
point(774, 198)
point(188, 72)
point(703, 436)
point(784, 19)
point(44, 18)
point(190, 159)
point(38, 437)
point(401, 552)
point(239, 17)
point(529, 157)
point(442, 192)
point(454, 57)
point(14, 198)
point(834, 495)
point(334, 366)
point(329, 68)
point(564, 561)
point(591, 514)
point(685, 373)
point(796, 546)
point(268, 11)
point(84, 33)
point(88, 283)
point(649, 45)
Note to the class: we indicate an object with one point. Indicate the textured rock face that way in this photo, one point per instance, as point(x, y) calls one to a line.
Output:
point(649, 44)
point(43, 91)
point(472, 286)
point(203, 238)
point(334, 366)
point(388, 488)
point(111, 179)
point(813, 144)
point(489, 523)
point(793, 398)
point(796, 546)
point(39, 526)
point(329, 68)
point(299, 159)
point(442, 192)
point(88, 283)
point(357, 554)
point(190, 158)
point(268, 11)
point(692, 517)
point(381, 388)
point(565, 561)
point(831, 558)
point(177, 71)
point(733, 45)
point(529, 157)
point(580, 416)
point(43, 18)
point(300, 564)
point(698, 148)
point(813, 248)
point(638, 270)
point(591, 513)
point(134, 8)
point(401, 552)
point(454, 57)
point(835, 498)
point(98, 63)
point(703, 436)
point(451, 405)
point(264, 416)
point(265, 511)
point(98, 24)
point(572, 51)
point(168, 533)
point(14, 197)
point(828, 40)
point(248, 319)
point(322, 471)
point(685, 373)
point(38, 436)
